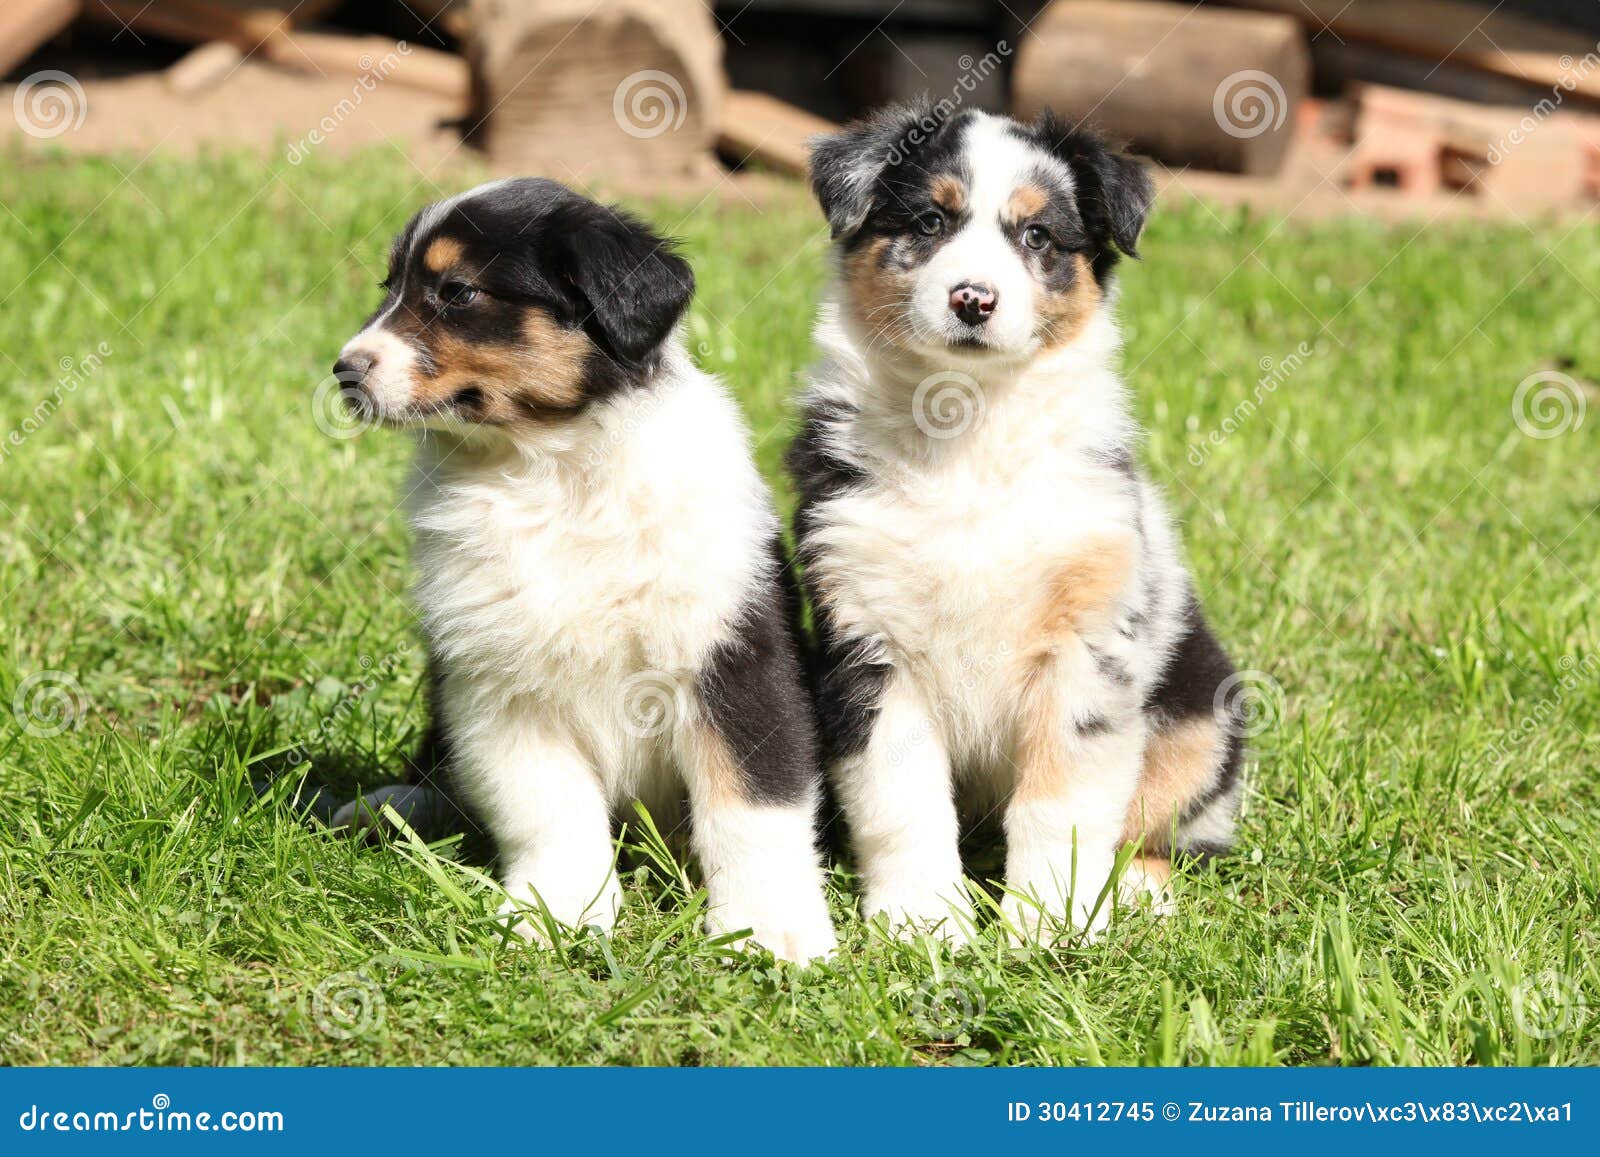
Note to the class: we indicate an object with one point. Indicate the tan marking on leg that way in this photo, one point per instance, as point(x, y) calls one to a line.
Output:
point(722, 783)
point(949, 194)
point(1082, 590)
point(443, 254)
point(1181, 761)
point(1025, 202)
point(1157, 869)
point(1062, 316)
point(1043, 764)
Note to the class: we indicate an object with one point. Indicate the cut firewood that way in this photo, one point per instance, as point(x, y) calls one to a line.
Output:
point(26, 24)
point(1216, 89)
point(204, 68)
point(1500, 41)
point(763, 128)
point(569, 87)
point(270, 35)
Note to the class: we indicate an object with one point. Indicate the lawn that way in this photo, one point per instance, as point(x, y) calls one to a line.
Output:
point(199, 586)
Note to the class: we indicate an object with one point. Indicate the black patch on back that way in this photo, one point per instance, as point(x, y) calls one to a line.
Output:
point(754, 693)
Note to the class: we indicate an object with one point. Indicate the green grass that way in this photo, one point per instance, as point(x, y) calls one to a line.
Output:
point(224, 587)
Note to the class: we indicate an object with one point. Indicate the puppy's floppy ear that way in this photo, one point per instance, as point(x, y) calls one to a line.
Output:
point(1114, 191)
point(635, 286)
point(847, 164)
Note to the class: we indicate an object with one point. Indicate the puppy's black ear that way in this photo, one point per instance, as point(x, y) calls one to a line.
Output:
point(633, 283)
point(1114, 191)
point(847, 164)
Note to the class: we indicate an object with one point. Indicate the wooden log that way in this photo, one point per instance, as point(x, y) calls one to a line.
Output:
point(26, 24)
point(1501, 42)
point(763, 128)
point(573, 87)
point(203, 68)
point(269, 35)
point(1215, 89)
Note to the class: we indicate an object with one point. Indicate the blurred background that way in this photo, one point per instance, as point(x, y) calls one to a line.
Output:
point(1382, 107)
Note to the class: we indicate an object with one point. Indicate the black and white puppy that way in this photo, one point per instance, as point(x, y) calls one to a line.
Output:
point(1004, 621)
point(601, 579)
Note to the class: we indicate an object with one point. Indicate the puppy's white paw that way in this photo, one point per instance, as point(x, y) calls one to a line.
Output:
point(523, 908)
point(910, 913)
point(800, 934)
point(1147, 883)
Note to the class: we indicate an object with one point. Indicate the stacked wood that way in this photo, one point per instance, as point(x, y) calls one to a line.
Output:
point(570, 87)
point(1215, 89)
point(774, 133)
point(26, 24)
point(270, 34)
point(1499, 42)
point(1424, 143)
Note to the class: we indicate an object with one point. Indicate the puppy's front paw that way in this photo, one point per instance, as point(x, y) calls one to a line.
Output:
point(1147, 883)
point(910, 913)
point(796, 940)
point(525, 907)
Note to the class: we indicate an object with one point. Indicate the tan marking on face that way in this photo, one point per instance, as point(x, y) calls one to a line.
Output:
point(543, 374)
point(949, 194)
point(1062, 316)
point(1026, 201)
point(1081, 591)
point(443, 254)
point(1181, 762)
point(878, 295)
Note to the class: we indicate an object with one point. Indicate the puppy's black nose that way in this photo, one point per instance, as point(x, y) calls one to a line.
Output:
point(973, 302)
point(351, 369)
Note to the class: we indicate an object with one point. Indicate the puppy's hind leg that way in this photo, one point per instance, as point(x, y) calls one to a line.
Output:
point(749, 763)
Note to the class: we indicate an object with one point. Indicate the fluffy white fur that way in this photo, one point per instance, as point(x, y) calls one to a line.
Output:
point(572, 580)
point(932, 563)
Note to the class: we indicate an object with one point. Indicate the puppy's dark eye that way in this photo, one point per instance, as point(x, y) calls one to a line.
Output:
point(457, 293)
point(1036, 237)
point(931, 224)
